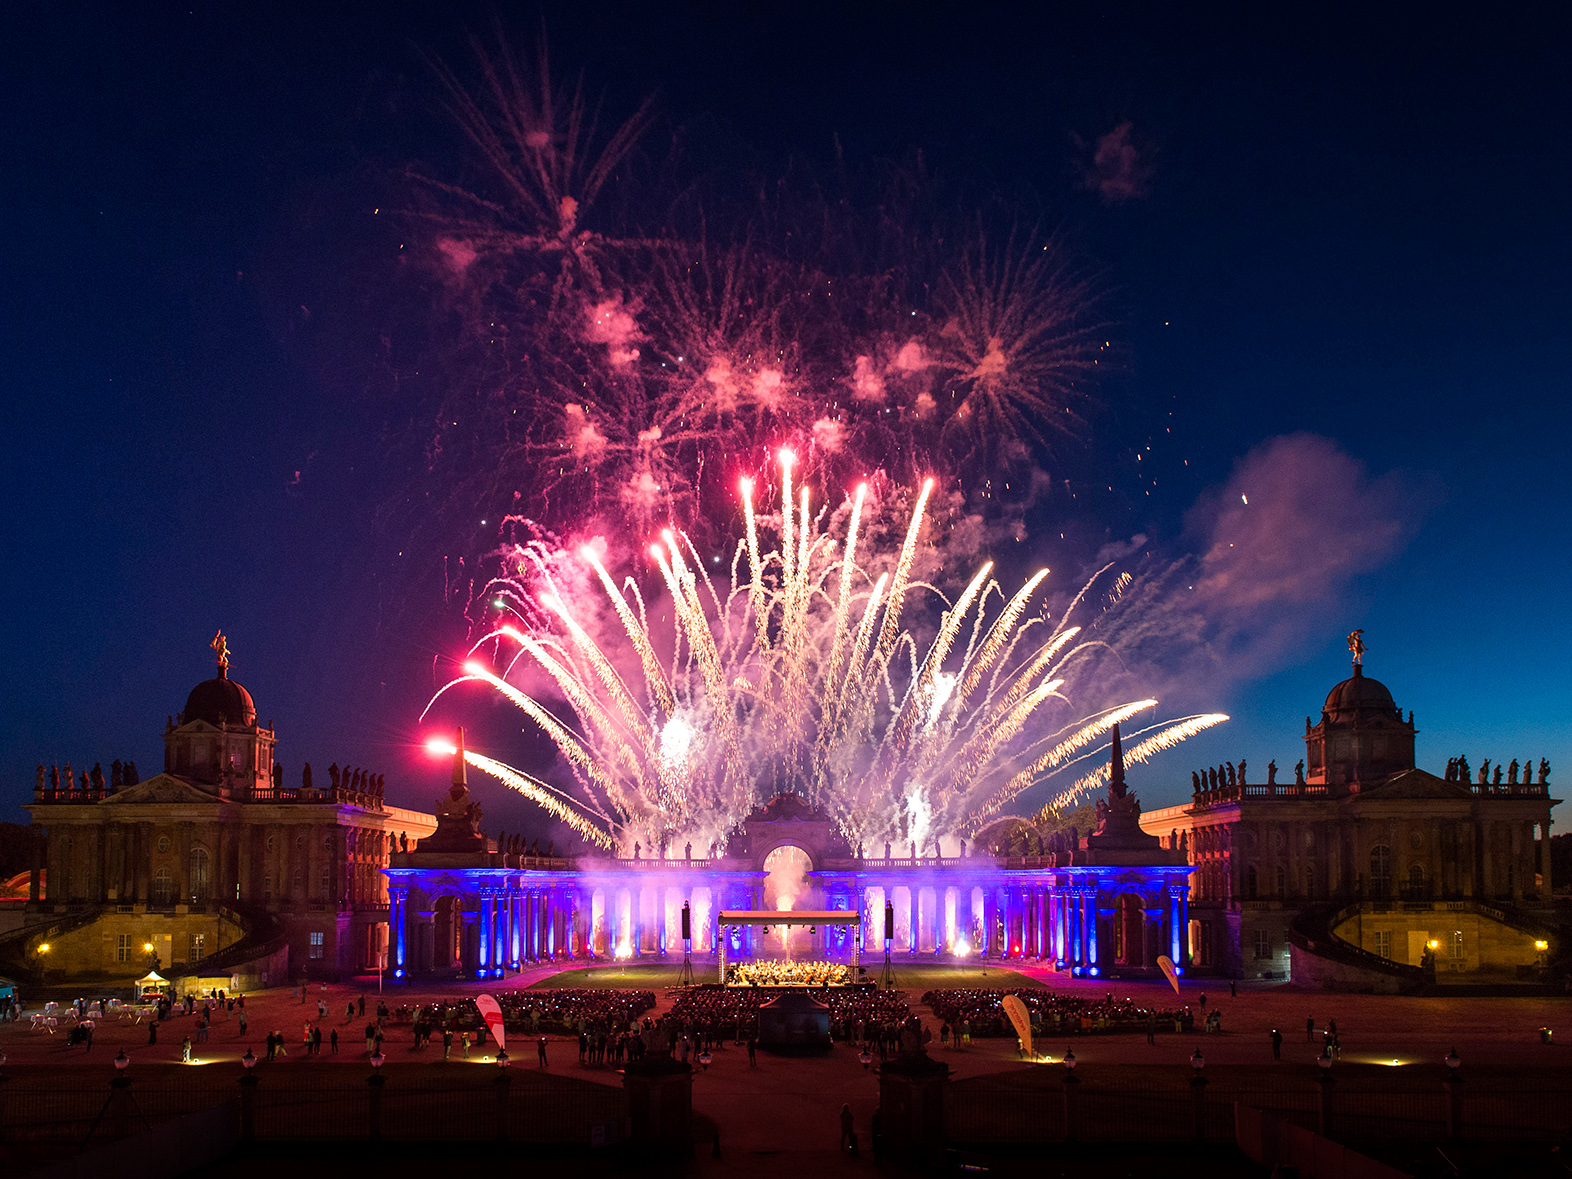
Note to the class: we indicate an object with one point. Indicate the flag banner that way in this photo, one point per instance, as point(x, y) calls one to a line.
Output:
point(1016, 1010)
point(1166, 964)
point(491, 1011)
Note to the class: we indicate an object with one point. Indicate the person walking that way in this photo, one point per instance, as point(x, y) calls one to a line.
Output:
point(447, 1043)
point(848, 1127)
point(1277, 1044)
point(540, 1051)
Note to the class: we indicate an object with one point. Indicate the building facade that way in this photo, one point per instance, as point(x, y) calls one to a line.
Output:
point(213, 858)
point(464, 907)
point(1366, 870)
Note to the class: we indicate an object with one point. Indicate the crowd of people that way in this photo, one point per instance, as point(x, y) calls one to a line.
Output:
point(730, 1012)
point(777, 973)
point(980, 1012)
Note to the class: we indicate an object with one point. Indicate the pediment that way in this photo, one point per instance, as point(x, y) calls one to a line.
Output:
point(163, 788)
point(1416, 784)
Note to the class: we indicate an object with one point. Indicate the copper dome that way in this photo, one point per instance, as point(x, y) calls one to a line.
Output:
point(1359, 694)
point(220, 700)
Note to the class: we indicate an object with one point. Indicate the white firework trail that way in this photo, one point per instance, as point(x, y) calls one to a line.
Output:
point(798, 675)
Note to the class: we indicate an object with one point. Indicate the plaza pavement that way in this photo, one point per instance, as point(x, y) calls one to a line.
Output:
point(782, 1116)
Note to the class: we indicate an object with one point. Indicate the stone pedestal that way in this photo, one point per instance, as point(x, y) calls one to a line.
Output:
point(660, 1103)
point(911, 1103)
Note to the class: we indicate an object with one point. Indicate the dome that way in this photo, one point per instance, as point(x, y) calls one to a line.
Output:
point(1359, 693)
point(218, 701)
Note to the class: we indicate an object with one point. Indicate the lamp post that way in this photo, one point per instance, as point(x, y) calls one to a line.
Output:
point(120, 1097)
point(248, 1097)
point(1326, 1080)
point(1454, 1095)
point(1070, 1082)
point(1198, 1092)
point(374, 1085)
point(503, 1082)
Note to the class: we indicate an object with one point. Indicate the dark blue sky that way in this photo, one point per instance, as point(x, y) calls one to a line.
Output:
point(1355, 228)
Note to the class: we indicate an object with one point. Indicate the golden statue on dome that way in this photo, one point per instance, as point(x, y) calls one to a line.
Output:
point(1356, 644)
point(220, 647)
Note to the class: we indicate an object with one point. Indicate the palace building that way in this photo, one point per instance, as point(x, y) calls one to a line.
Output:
point(464, 907)
point(214, 865)
point(1366, 871)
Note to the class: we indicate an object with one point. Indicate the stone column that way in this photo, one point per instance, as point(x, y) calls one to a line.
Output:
point(398, 919)
point(1547, 890)
point(484, 947)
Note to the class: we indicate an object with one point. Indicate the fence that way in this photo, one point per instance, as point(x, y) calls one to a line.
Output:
point(536, 1110)
point(982, 1112)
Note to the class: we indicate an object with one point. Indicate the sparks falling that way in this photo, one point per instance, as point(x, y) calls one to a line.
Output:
point(798, 674)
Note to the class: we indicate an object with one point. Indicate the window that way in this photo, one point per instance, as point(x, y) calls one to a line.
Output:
point(199, 875)
point(1380, 872)
point(317, 941)
point(1310, 881)
point(163, 887)
point(267, 886)
point(1416, 880)
point(327, 884)
point(1454, 948)
point(1263, 945)
point(1282, 881)
point(123, 948)
point(163, 845)
point(1383, 943)
point(1250, 882)
point(198, 947)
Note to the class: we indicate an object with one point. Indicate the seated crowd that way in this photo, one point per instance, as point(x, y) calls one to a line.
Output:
point(857, 1014)
point(979, 1012)
point(564, 1010)
point(769, 973)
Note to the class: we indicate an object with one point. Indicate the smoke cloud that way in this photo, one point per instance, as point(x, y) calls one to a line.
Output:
point(1120, 169)
point(1275, 552)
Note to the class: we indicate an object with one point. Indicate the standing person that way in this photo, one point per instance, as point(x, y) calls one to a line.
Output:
point(152, 1032)
point(540, 1051)
point(349, 1011)
point(362, 1005)
point(1233, 989)
point(333, 1041)
point(447, 1043)
point(1277, 1044)
point(753, 1048)
point(848, 1127)
point(1309, 1029)
point(1203, 1000)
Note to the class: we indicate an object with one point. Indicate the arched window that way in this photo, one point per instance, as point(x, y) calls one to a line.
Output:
point(199, 876)
point(1250, 882)
point(1282, 881)
point(1416, 880)
point(1380, 872)
point(163, 887)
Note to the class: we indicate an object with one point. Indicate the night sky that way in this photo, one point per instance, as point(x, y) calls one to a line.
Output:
point(1348, 227)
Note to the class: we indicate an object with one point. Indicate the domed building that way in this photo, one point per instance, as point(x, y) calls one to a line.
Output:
point(1367, 872)
point(224, 871)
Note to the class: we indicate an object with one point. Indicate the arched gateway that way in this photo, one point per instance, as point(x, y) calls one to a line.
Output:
point(1119, 887)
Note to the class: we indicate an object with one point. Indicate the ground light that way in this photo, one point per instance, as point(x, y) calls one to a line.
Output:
point(248, 1061)
point(378, 1060)
point(122, 1061)
point(867, 1058)
point(705, 1058)
point(1453, 1061)
point(502, 1058)
point(1197, 1061)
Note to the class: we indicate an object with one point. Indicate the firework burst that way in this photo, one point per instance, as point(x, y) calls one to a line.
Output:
point(803, 672)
